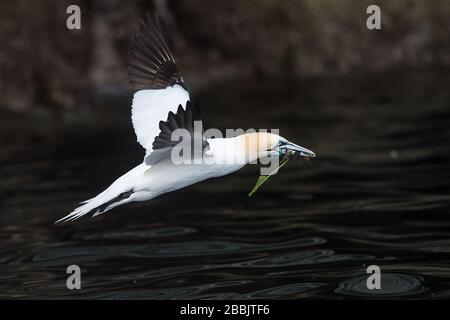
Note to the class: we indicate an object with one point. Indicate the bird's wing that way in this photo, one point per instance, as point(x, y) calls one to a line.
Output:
point(153, 73)
point(188, 119)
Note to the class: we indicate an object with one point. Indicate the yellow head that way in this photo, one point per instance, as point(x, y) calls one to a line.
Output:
point(257, 145)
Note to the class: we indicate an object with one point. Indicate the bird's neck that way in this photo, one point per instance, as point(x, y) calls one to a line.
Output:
point(240, 150)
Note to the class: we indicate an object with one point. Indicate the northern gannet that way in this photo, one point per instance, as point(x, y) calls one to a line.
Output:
point(161, 106)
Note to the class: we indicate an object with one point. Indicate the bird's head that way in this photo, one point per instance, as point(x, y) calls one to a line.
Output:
point(263, 144)
point(290, 149)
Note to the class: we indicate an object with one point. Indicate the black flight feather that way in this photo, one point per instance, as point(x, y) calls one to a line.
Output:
point(183, 119)
point(150, 62)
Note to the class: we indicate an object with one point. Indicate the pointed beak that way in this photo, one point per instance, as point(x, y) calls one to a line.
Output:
point(296, 151)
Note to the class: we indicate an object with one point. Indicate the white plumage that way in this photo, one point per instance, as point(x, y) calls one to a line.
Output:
point(151, 106)
point(148, 182)
point(160, 106)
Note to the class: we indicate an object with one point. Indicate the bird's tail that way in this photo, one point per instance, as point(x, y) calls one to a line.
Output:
point(116, 194)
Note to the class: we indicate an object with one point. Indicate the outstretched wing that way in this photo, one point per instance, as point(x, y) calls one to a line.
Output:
point(153, 72)
point(151, 64)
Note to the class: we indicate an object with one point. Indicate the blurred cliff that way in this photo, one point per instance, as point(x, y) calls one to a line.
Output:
point(43, 64)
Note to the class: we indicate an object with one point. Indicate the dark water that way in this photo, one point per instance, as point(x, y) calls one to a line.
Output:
point(378, 193)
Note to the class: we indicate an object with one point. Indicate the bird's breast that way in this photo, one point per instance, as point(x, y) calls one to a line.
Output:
point(166, 176)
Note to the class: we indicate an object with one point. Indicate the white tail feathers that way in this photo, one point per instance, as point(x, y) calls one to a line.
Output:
point(87, 207)
point(105, 201)
point(116, 194)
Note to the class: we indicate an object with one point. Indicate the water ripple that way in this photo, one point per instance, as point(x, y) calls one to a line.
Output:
point(286, 291)
point(392, 285)
point(378, 193)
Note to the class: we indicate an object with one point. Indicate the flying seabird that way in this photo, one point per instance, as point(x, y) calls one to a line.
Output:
point(161, 106)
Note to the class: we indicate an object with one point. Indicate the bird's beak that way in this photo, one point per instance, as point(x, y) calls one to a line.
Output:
point(296, 151)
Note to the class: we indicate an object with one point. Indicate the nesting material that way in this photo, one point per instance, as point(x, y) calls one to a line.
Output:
point(262, 179)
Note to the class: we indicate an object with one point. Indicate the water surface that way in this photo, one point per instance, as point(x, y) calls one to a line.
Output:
point(378, 193)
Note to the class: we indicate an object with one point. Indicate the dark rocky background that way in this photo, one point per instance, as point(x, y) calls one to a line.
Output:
point(45, 66)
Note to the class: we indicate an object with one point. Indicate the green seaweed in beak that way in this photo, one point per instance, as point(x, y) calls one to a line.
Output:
point(262, 179)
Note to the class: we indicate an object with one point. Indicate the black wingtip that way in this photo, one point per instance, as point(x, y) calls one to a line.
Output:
point(150, 62)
